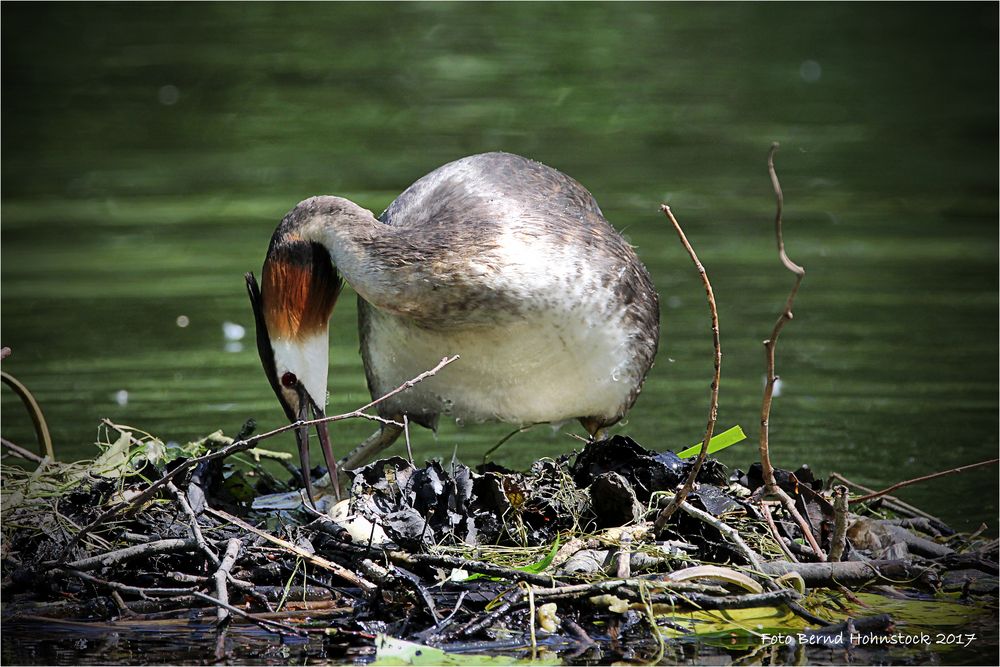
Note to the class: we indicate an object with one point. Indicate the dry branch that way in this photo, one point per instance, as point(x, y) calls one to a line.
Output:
point(17, 450)
point(853, 573)
point(767, 470)
point(839, 541)
point(146, 549)
point(271, 626)
point(182, 500)
point(713, 406)
point(895, 504)
point(916, 480)
point(341, 572)
point(221, 575)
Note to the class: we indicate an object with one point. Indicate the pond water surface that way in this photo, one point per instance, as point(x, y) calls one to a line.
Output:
point(149, 151)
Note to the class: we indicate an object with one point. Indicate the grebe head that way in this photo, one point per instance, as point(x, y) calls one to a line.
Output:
point(292, 307)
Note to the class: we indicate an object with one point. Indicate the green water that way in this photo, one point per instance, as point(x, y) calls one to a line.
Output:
point(149, 151)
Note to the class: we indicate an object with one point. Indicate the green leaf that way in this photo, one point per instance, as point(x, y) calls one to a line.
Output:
point(717, 443)
point(531, 568)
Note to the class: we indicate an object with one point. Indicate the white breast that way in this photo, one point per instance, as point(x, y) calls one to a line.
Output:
point(550, 366)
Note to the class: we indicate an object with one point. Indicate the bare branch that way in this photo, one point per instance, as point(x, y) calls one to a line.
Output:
point(341, 572)
point(770, 486)
point(783, 318)
point(112, 557)
point(713, 406)
point(899, 485)
point(271, 626)
point(221, 577)
point(839, 540)
point(17, 450)
point(193, 523)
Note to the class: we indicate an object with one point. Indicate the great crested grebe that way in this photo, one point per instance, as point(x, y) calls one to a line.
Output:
point(499, 259)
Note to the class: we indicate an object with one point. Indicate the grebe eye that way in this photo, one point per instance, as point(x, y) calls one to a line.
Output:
point(289, 380)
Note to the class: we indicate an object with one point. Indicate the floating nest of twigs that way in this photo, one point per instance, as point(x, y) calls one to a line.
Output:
point(563, 559)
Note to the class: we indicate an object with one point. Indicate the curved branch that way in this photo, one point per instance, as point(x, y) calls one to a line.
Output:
point(713, 407)
point(770, 486)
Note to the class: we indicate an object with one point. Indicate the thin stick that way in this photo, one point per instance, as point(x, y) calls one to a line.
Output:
point(766, 511)
point(113, 557)
point(783, 318)
point(236, 447)
point(531, 618)
point(221, 575)
point(839, 541)
point(899, 485)
point(894, 503)
point(17, 450)
point(360, 412)
point(713, 406)
point(731, 534)
point(770, 486)
point(272, 626)
point(406, 434)
point(193, 523)
point(122, 588)
point(34, 410)
point(489, 452)
point(341, 572)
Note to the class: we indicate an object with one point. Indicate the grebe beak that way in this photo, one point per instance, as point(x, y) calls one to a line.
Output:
point(302, 439)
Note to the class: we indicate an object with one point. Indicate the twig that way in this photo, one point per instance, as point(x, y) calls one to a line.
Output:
point(766, 511)
point(34, 410)
point(341, 572)
point(443, 623)
point(522, 429)
point(852, 573)
point(713, 406)
point(234, 448)
point(489, 569)
point(221, 575)
point(661, 592)
point(485, 620)
point(728, 532)
point(899, 485)
point(647, 606)
point(895, 504)
point(406, 434)
point(112, 557)
point(746, 601)
point(122, 588)
point(783, 318)
point(839, 541)
point(17, 450)
point(770, 486)
point(274, 626)
point(193, 523)
point(611, 585)
point(360, 412)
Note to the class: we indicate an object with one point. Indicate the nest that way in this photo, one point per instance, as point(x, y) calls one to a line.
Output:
point(564, 557)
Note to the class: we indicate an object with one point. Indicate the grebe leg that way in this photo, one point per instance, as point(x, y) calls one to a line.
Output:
point(597, 429)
